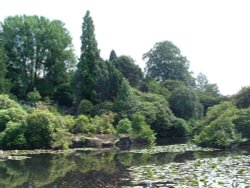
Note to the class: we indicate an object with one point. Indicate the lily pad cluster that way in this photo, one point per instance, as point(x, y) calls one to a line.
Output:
point(221, 172)
point(176, 148)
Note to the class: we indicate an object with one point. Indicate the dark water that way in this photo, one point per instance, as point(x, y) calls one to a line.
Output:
point(85, 169)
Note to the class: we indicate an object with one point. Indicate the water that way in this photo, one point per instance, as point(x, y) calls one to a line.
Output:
point(107, 168)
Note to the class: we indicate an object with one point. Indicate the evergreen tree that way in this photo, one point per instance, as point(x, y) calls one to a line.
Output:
point(126, 102)
point(88, 68)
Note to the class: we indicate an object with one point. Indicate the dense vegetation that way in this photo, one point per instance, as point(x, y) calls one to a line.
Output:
point(46, 96)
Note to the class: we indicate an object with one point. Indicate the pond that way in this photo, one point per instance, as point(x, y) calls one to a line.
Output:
point(176, 165)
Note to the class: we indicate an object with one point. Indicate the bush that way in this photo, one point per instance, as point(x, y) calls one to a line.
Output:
point(124, 126)
point(40, 129)
point(34, 96)
point(141, 131)
point(11, 114)
point(13, 137)
point(220, 133)
point(85, 107)
point(104, 123)
point(83, 125)
point(218, 129)
point(6, 102)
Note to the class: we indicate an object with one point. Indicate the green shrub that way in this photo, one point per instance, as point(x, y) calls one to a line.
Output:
point(34, 96)
point(40, 129)
point(218, 129)
point(6, 102)
point(13, 137)
point(104, 123)
point(85, 107)
point(82, 125)
point(11, 114)
point(58, 142)
point(220, 133)
point(124, 126)
point(141, 131)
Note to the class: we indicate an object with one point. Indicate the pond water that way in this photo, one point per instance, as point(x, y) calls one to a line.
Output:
point(176, 165)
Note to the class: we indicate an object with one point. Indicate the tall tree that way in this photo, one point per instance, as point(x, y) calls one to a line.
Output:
point(88, 67)
point(37, 49)
point(4, 84)
point(165, 62)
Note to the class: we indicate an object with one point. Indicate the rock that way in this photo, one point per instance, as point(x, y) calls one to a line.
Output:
point(124, 143)
point(1, 152)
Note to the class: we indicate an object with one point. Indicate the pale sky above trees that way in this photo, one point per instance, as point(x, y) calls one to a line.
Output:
point(214, 35)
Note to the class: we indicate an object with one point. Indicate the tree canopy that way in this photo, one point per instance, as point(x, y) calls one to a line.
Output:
point(165, 62)
point(39, 52)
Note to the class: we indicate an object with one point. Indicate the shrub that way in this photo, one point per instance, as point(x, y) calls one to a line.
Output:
point(40, 129)
point(82, 125)
point(218, 129)
point(11, 114)
point(13, 137)
point(84, 107)
point(141, 131)
point(6, 102)
point(104, 123)
point(124, 126)
point(34, 96)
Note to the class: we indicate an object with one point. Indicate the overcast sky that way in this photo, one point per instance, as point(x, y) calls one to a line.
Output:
point(213, 34)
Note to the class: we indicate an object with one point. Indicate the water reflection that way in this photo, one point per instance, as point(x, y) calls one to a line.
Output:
point(87, 169)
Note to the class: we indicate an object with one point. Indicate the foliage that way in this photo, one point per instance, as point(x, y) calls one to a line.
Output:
point(82, 124)
point(40, 129)
point(37, 48)
point(156, 111)
point(141, 131)
point(242, 98)
point(164, 61)
point(11, 115)
point(4, 82)
point(242, 122)
point(218, 127)
point(104, 123)
point(33, 96)
point(125, 103)
point(64, 95)
point(88, 67)
point(6, 102)
point(13, 136)
point(129, 69)
point(185, 104)
point(124, 126)
point(102, 108)
point(203, 85)
point(85, 107)
point(172, 85)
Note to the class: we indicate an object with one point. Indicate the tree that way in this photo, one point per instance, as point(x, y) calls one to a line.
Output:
point(125, 103)
point(37, 49)
point(88, 68)
point(242, 98)
point(203, 85)
point(185, 104)
point(128, 68)
point(164, 61)
point(4, 84)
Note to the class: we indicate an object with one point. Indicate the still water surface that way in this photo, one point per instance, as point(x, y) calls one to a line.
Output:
point(93, 169)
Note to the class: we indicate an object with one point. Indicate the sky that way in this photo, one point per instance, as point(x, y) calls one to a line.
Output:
point(214, 35)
